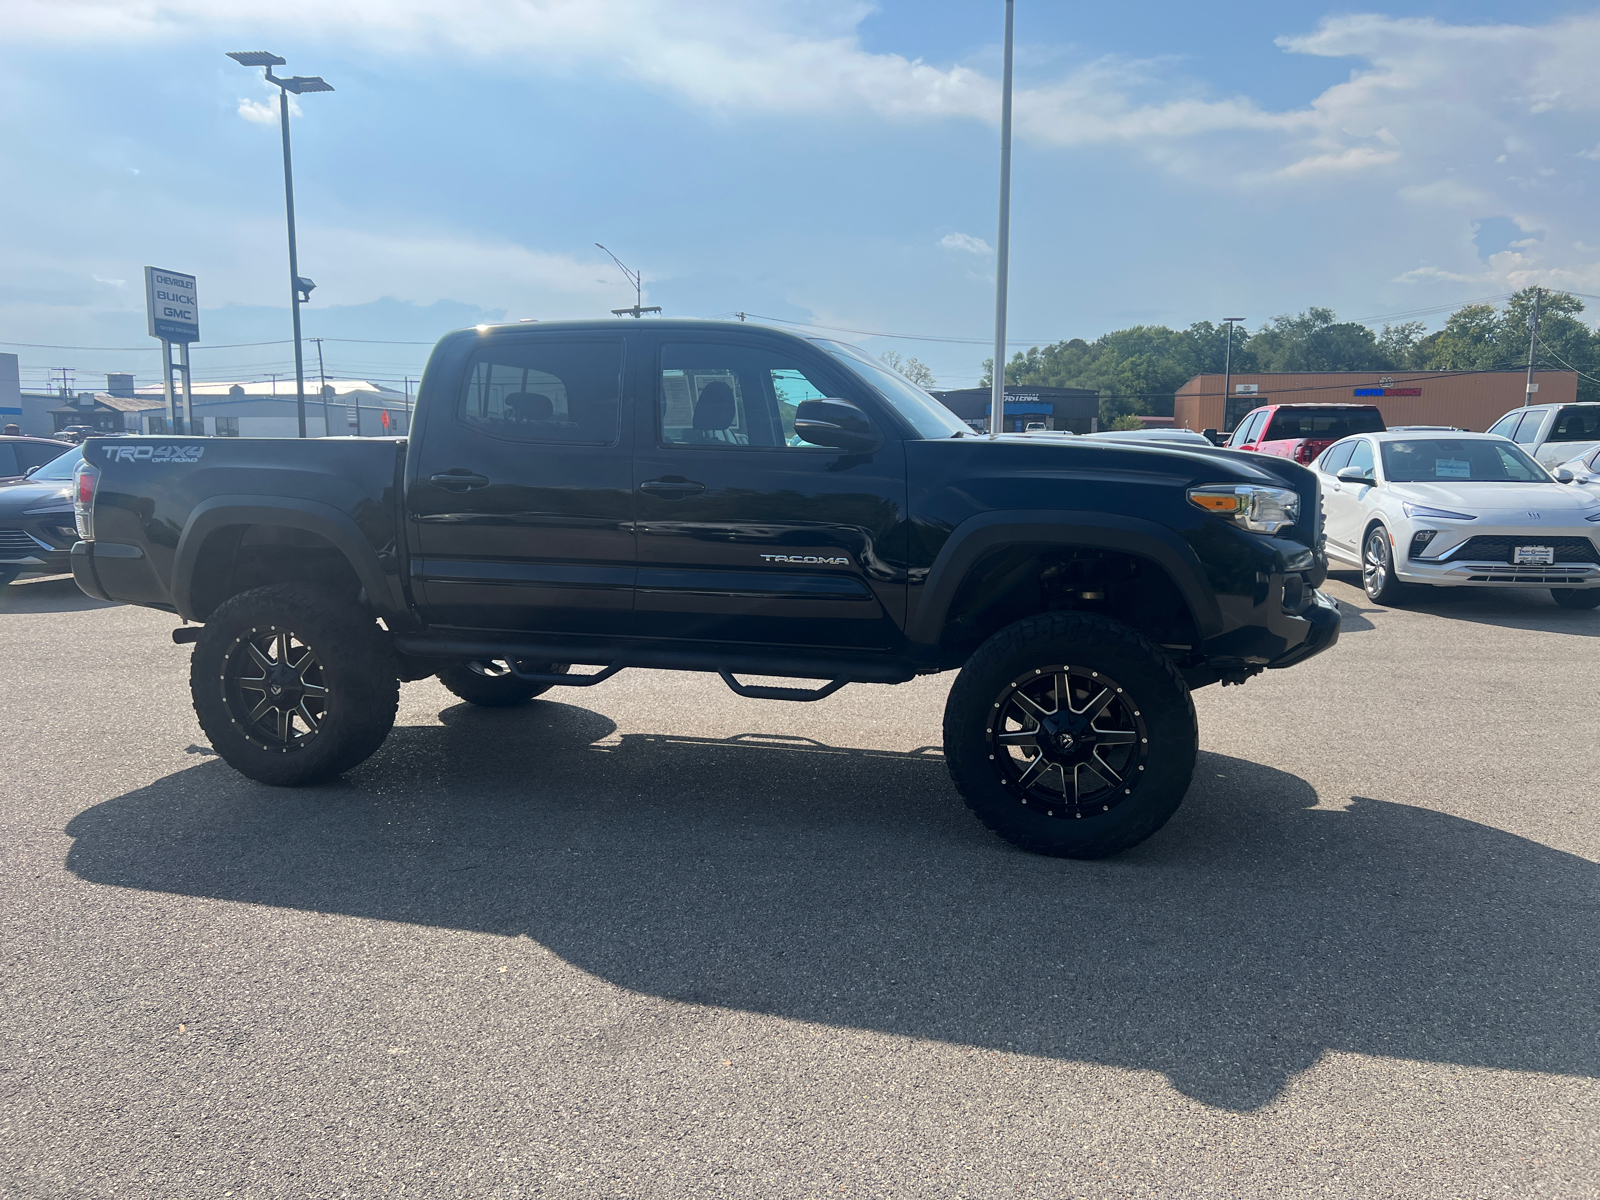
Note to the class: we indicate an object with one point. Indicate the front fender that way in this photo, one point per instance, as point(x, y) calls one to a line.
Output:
point(978, 535)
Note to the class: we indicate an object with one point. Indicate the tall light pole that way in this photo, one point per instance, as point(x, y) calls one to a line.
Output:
point(299, 288)
point(1227, 372)
point(637, 279)
point(1002, 261)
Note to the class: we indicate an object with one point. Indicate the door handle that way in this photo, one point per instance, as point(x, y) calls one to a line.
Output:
point(673, 487)
point(459, 480)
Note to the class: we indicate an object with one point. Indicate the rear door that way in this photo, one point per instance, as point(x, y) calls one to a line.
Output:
point(746, 533)
point(520, 501)
point(1343, 504)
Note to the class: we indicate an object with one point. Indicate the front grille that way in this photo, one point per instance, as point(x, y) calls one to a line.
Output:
point(14, 541)
point(1500, 549)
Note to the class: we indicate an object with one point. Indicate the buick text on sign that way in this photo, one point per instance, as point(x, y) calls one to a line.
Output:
point(172, 304)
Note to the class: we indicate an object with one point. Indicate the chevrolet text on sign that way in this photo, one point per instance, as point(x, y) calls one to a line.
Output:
point(172, 304)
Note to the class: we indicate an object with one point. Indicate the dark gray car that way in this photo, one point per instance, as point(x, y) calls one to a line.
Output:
point(20, 454)
point(36, 524)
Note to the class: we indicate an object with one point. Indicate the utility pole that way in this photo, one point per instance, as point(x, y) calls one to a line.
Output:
point(1533, 348)
point(322, 390)
point(637, 279)
point(1227, 377)
point(1002, 260)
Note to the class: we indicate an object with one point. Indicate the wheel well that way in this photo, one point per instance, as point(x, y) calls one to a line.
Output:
point(236, 558)
point(1020, 581)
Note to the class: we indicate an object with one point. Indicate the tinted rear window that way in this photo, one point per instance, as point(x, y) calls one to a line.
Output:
point(1290, 423)
point(1577, 424)
point(546, 391)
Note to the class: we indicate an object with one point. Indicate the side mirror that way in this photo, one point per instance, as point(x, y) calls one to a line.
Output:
point(836, 423)
point(30, 471)
point(1563, 475)
point(1356, 475)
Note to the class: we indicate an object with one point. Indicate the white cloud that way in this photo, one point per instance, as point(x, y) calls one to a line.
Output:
point(1357, 158)
point(254, 110)
point(966, 242)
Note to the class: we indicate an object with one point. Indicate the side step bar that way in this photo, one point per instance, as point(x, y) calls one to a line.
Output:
point(565, 680)
point(756, 691)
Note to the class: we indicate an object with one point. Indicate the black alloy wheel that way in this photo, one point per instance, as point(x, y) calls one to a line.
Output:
point(1069, 740)
point(272, 684)
point(1070, 734)
point(293, 683)
point(1377, 568)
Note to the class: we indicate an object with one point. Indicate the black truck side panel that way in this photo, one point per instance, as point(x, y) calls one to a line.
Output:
point(162, 497)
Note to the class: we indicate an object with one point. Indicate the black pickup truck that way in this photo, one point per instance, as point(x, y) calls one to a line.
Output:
point(702, 496)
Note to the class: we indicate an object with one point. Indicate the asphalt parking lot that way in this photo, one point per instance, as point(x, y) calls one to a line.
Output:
point(653, 940)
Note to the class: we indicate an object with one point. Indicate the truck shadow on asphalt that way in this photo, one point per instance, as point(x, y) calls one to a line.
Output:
point(1507, 608)
point(47, 594)
point(851, 888)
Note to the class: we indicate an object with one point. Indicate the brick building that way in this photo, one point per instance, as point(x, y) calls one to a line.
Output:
point(1466, 399)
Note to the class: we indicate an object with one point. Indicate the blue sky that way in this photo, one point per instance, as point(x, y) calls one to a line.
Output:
point(810, 160)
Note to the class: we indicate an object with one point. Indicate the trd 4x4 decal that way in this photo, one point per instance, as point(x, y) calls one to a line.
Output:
point(159, 454)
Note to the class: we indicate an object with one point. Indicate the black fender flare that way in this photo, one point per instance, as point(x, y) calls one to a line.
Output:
point(978, 535)
point(313, 516)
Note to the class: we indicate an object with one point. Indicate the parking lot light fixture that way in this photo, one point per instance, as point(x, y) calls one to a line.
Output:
point(299, 288)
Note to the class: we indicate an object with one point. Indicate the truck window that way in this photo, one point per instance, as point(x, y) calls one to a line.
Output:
point(546, 391)
point(1247, 431)
point(715, 394)
point(1577, 423)
point(1295, 422)
point(1528, 432)
point(1506, 424)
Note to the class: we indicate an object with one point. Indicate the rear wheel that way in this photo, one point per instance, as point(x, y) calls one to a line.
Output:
point(293, 683)
point(491, 683)
point(1378, 579)
point(1576, 597)
point(1069, 734)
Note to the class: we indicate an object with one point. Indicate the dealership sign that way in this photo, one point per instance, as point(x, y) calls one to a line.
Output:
point(1378, 391)
point(172, 304)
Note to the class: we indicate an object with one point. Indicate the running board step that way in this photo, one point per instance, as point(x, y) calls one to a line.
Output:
point(564, 680)
point(755, 691)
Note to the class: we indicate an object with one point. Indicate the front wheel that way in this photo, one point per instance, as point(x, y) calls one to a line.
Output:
point(1378, 579)
point(293, 684)
point(1070, 734)
point(1576, 597)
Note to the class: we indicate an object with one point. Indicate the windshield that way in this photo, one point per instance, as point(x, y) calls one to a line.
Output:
point(59, 467)
point(927, 416)
point(1451, 460)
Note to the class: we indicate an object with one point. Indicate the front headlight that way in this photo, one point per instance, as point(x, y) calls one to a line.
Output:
point(1434, 514)
point(1250, 506)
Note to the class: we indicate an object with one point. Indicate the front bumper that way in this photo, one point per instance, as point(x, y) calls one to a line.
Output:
point(1499, 574)
point(1323, 614)
point(25, 546)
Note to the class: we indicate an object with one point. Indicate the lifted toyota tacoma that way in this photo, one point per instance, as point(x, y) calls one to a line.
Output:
point(699, 496)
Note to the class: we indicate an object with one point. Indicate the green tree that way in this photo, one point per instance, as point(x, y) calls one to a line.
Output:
point(1316, 340)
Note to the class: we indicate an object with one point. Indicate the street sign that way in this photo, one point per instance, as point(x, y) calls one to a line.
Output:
point(172, 305)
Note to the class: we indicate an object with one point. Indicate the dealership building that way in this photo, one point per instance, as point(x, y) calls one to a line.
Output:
point(1464, 399)
point(1074, 409)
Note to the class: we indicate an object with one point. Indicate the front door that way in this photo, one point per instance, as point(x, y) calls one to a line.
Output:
point(521, 500)
point(746, 533)
point(1342, 504)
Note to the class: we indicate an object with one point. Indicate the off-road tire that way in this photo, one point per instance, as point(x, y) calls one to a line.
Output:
point(1378, 579)
point(1083, 650)
point(497, 691)
point(1576, 597)
point(354, 666)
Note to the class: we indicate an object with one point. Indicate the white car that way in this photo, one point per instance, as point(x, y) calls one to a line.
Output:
point(1457, 510)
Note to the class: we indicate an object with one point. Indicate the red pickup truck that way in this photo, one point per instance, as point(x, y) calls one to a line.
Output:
point(1303, 431)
